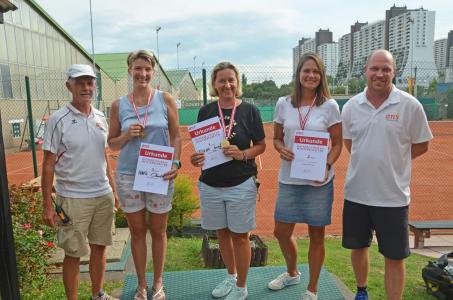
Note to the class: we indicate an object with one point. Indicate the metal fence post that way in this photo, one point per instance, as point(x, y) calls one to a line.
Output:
point(31, 126)
point(205, 94)
point(9, 282)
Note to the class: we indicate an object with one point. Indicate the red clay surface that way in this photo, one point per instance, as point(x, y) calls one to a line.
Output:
point(432, 179)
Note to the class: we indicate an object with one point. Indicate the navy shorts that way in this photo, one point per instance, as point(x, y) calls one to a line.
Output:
point(389, 223)
point(304, 204)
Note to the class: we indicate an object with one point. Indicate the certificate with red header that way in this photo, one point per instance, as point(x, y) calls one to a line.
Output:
point(153, 162)
point(310, 155)
point(206, 137)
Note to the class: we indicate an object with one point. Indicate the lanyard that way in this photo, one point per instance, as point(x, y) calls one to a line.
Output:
point(233, 113)
point(304, 120)
point(145, 118)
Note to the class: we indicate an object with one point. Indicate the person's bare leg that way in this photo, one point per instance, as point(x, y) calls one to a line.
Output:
point(360, 264)
point(137, 227)
point(157, 224)
point(316, 255)
point(284, 234)
point(97, 268)
point(71, 276)
point(226, 249)
point(242, 256)
point(395, 273)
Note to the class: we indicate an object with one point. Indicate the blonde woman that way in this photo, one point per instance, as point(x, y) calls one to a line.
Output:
point(151, 116)
point(228, 191)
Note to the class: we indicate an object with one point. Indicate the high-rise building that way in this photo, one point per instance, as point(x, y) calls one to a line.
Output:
point(449, 49)
point(368, 38)
point(440, 55)
point(298, 51)
point(344, 57)
point(306, 45)
point(346, 53)
point(329, 54)
point(411, 41)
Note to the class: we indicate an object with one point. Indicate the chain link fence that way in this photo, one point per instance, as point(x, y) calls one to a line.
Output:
point(262, 85)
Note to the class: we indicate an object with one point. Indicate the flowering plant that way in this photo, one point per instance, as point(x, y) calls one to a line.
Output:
point(34, 242)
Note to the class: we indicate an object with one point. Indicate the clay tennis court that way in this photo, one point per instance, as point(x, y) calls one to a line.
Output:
point(432, 179)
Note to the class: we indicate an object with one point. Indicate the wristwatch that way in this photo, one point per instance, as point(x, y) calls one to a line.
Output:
point(177, 163)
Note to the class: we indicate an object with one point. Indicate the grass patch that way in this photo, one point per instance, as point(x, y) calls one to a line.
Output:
point(56, 290)
point(184, 254)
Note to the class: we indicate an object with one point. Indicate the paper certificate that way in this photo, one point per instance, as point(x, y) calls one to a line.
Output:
point(206, 137)
point(153, 162)
point(310, 155)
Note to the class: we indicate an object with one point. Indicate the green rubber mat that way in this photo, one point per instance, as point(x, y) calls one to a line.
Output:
point(114, 266)
point(197, 285)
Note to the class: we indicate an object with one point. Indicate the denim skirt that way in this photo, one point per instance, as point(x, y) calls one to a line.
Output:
point(304, 204)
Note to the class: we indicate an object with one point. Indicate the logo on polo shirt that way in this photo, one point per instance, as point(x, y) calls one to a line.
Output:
point(100, 126)
point(392, 117)
point(74, 121)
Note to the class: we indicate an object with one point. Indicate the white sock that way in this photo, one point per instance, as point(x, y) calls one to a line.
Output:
point(232, 276)
point(242, 288)
point(310, 293)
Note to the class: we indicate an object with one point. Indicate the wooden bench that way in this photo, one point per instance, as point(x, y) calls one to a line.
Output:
point(422, 230)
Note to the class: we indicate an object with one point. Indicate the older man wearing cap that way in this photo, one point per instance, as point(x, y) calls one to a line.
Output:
point(74, 151)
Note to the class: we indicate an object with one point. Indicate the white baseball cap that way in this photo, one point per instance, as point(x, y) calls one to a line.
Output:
point(79, 70)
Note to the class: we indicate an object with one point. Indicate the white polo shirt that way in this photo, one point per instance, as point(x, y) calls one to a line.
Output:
point(320, 119)
point(379, 169)
point(79, 143)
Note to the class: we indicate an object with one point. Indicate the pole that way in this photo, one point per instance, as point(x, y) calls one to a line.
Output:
point(93, 57)
point(9, 282)
point(194, 58)
point(177, 53)
point(205, 94)
point(415, 82)
point(157, 41)
point(30, 127)
point(412, 21)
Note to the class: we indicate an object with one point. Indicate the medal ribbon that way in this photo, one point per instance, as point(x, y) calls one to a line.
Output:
point(222, 121)
point(145, 118)
point(304, 120)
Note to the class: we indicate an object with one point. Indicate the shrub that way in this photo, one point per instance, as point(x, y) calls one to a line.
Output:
point(184, 203)
point(120, 219)
point(34, 242)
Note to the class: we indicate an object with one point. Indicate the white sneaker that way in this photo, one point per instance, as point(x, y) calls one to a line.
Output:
point(283, 280)
point(237, 294)
point(225, 287)
point(309, 296)
point(103, 296)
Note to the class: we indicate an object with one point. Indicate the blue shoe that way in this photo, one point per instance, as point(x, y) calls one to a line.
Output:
point(361, 295)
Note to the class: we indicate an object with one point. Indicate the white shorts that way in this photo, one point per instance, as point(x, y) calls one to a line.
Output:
point(132, 201)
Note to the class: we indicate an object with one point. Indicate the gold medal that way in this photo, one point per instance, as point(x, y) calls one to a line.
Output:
point(224, 143)
point(142, 134)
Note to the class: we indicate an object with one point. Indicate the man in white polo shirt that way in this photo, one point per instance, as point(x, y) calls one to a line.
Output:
point(74, 151)
point(384, 129)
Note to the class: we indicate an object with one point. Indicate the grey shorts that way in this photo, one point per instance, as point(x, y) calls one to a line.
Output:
point(229, 207)
point(132, 201)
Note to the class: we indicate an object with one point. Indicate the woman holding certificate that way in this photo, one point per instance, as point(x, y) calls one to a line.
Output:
point(308, 113)
point(146, 115)
point(228, 191)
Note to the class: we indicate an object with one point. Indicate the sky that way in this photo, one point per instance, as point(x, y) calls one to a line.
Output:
point(252, 32)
